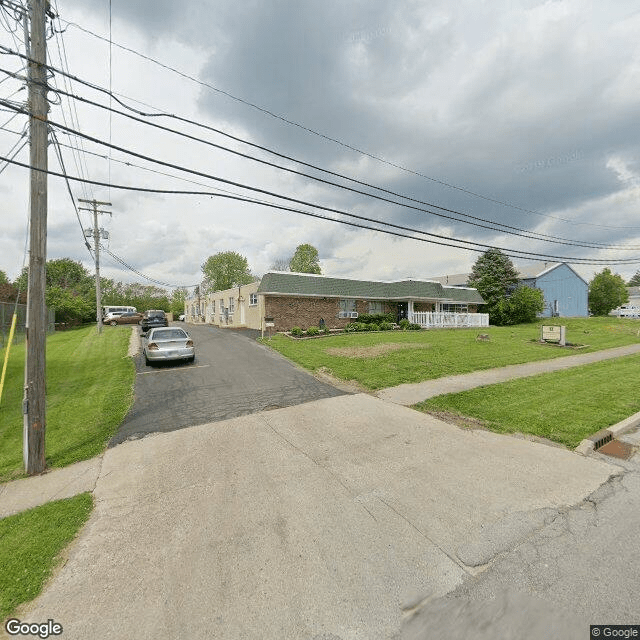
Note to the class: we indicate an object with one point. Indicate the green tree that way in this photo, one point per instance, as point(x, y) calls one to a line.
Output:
point(606, 292)
point(635, 280)
point(178, 296)
point(305, 260)
point(69, 306)
point(70, 290)
point(3, 278)
point(225, 270)
point(495, 277)
point(522, 305)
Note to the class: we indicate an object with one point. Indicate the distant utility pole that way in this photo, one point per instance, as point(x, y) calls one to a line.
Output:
point(34, 405)
point(97, 234)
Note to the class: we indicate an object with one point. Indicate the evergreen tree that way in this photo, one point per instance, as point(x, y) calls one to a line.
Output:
point(635, 280)
point(495, 277)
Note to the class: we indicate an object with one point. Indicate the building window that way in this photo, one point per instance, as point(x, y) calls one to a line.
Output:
point(232, 305)
point(213, 307)
point(376, 307)
point(347, 308)
point(455, 308)
point(253, 298)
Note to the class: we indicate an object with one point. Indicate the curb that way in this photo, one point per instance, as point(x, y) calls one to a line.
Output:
point(588, 445)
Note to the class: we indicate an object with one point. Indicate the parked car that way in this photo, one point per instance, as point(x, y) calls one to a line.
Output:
point(125, 318)
point(181, 317)
point(165, 344)
point(153, 318)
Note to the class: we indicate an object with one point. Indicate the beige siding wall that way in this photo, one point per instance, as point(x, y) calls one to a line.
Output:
point(241, 313)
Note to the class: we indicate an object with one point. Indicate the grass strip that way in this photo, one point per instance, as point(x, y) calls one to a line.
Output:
point(89, 391)
point(563, 406)
point(443, 352)
point(30, 546)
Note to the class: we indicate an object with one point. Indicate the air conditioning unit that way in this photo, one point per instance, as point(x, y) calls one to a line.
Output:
point(343, 314)
point(353, 314)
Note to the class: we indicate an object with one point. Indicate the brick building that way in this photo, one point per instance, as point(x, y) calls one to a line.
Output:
point(285, 300)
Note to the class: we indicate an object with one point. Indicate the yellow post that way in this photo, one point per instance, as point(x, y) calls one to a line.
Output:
point(6, 355)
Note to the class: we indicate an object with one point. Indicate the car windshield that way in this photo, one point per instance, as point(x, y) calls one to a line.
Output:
point(168, 334)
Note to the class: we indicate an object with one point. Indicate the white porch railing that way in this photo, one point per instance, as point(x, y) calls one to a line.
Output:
point(429, 319)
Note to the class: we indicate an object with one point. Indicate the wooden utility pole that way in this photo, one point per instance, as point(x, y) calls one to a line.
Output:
point(34, 406)
point(97, 234)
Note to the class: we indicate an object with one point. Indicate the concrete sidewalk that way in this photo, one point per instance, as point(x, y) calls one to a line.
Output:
point(410, 394)
point(321, 520)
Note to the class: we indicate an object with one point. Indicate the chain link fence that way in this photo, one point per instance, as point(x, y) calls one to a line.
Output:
point(6, 314)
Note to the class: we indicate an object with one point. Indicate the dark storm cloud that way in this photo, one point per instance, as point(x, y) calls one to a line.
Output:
point(522, 103)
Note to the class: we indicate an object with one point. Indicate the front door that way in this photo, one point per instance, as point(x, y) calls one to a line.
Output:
point(403, 310)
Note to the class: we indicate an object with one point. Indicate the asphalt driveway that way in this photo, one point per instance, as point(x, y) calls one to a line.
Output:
point(233, 375)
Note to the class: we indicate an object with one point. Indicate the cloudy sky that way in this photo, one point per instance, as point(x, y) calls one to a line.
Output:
point(520, 113)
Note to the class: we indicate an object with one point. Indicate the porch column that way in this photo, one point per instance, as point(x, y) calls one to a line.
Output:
point(410, 311)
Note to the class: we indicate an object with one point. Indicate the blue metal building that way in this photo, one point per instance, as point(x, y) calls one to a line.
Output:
point(565, 292)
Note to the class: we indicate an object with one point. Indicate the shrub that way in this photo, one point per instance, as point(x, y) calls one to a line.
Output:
point(351, 327)
point(297, 332)
point(376, 318)
point(313, 331)
point(372, 326)
point(386, 326)
point(414, 327)
point(404, 324)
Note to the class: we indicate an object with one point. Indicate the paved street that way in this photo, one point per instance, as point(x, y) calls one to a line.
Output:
point(325, 520)
point(233, 376)
point(581, 568)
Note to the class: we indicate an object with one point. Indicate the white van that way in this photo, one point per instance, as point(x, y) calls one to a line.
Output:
point(113, 311)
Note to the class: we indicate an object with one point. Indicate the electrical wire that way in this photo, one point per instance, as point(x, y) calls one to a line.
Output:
point(15, 155)
point(479, 247)
point(327, 137)
point(112, 95)
point(146, 277)
point(73, 200)
point(496, 226)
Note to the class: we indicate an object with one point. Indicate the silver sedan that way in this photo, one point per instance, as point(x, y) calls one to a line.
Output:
point(164, 344)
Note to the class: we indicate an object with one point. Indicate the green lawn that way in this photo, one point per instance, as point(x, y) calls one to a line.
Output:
point(563, 406)
point(31, 544)
point(441, 352)
point(89, 391)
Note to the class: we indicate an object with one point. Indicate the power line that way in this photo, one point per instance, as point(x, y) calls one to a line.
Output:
point(142, 275)
point(324, 136)
point(73, 200)
point(266, 149)
point(498, 226)
point(508, 229)
point(482, 247)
